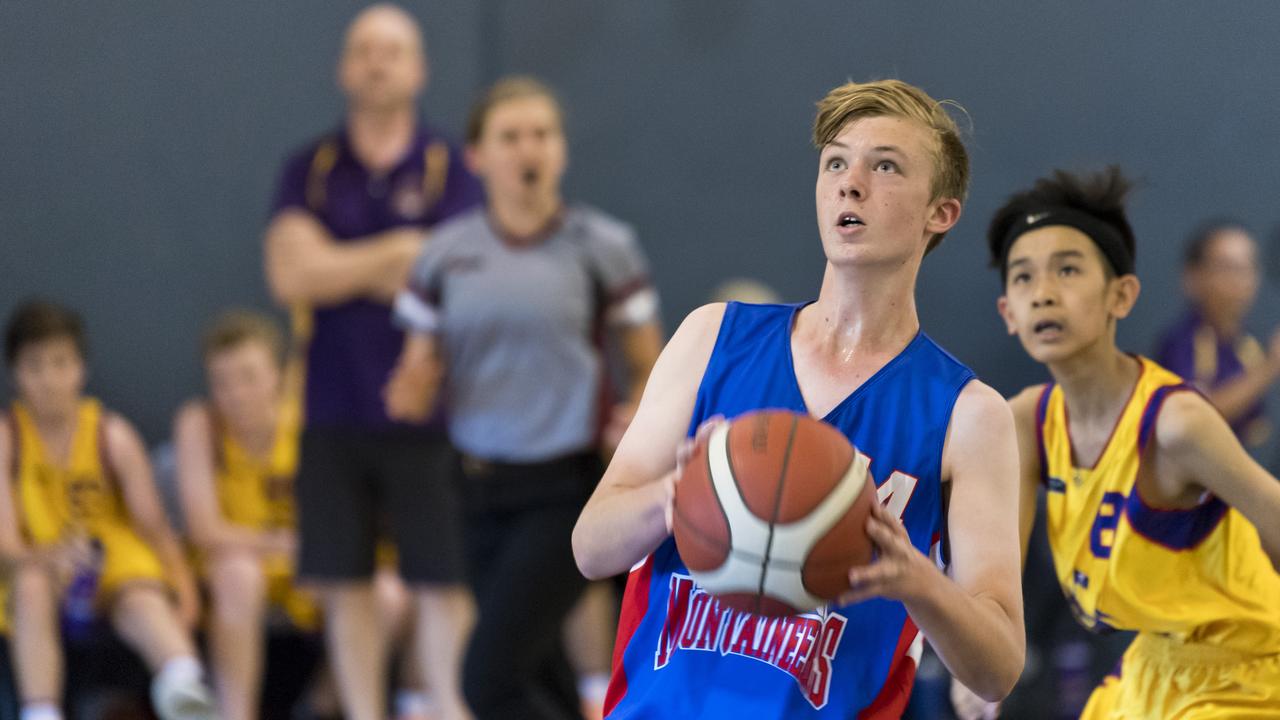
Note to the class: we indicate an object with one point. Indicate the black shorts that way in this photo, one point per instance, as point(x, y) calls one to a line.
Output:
point(357, 487)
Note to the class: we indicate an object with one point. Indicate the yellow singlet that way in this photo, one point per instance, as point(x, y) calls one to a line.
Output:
point(257, 493)
point(1195, 583)
point(81, 496)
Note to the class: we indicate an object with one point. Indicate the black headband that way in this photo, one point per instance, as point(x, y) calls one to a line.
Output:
point(1103, 234)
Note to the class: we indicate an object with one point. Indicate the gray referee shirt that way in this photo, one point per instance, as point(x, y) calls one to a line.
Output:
point(520, 327)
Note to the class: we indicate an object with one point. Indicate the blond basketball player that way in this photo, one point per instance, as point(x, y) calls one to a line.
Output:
point(892, 174)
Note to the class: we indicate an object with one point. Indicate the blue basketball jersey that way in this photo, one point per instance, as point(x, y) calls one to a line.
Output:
point(681, 654)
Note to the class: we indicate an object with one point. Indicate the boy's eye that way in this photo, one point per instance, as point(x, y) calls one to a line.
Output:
point(886, 166)
point(1020, 277)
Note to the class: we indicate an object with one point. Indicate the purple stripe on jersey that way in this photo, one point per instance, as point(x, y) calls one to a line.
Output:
point(354, 344)
point(1181, 529)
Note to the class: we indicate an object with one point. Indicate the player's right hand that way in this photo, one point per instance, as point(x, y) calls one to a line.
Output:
point(66, 558)
point(683, 452)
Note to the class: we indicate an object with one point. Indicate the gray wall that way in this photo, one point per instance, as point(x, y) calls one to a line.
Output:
point(141, 142)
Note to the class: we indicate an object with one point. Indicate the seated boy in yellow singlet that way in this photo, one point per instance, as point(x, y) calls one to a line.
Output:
point(237, 453)
point(80, 479)
point(1158, 520)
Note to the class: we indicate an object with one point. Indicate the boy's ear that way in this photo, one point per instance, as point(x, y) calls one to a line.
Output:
point(1124, 292)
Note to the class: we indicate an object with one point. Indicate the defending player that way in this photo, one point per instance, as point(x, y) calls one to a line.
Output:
point(1158, 520)
point(892, 175)
point(80, 477)
point(237, 454)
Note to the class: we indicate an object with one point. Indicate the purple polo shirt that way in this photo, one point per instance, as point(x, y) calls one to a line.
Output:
point(1192, 349)
point(353, 346)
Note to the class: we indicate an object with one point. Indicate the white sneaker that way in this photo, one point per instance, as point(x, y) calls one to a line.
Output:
point(183, 701)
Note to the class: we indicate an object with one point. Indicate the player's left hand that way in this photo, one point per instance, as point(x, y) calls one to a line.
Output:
point(899, 571)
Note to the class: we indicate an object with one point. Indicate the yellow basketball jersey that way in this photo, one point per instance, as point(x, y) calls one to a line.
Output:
point(258, 491)
point(54, 497)
point(1198, 575)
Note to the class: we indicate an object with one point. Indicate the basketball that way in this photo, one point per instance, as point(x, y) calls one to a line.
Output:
point(770, 513)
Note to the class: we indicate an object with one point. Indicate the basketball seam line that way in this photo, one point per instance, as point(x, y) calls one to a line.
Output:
point(777, 507)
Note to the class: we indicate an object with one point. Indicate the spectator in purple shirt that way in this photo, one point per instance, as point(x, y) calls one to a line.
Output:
point(1208, 345)
point(350, 216)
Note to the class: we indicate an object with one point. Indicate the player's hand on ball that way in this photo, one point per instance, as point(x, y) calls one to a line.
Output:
point(898, 568)
point(683, 453)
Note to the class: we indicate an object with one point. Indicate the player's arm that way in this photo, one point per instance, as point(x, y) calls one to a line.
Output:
point(626, 517)
point(193, 438)
point(966, 704)
point(127, 457)
point(13, 550)
point(1195, 439)
point(973, 619)
point(1236, 396)
point(1023, 407)
point(304, 264)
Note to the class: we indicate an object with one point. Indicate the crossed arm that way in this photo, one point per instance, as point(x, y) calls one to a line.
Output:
point(304, 264)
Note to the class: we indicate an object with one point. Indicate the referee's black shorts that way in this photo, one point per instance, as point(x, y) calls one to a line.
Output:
point(356, 487)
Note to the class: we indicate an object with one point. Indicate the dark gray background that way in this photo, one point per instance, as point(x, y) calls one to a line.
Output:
point(141, 140)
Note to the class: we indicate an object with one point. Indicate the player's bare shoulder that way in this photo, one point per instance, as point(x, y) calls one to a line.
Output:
point(689, 350)
point(980, 424)
point(1024, 405)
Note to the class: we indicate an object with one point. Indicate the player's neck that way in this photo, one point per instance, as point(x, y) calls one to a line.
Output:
point(54, 420)
point(1094, 380)
point(381, 137)
point(868, 312)
point(257, 434)
point(56, 427)
point(519, 220)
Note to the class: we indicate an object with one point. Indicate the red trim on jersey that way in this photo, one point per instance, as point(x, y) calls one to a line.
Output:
point(635, 602)
point(896, 690)
point(627, 289)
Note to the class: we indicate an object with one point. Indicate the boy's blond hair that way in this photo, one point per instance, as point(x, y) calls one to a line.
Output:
point(894, 98)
